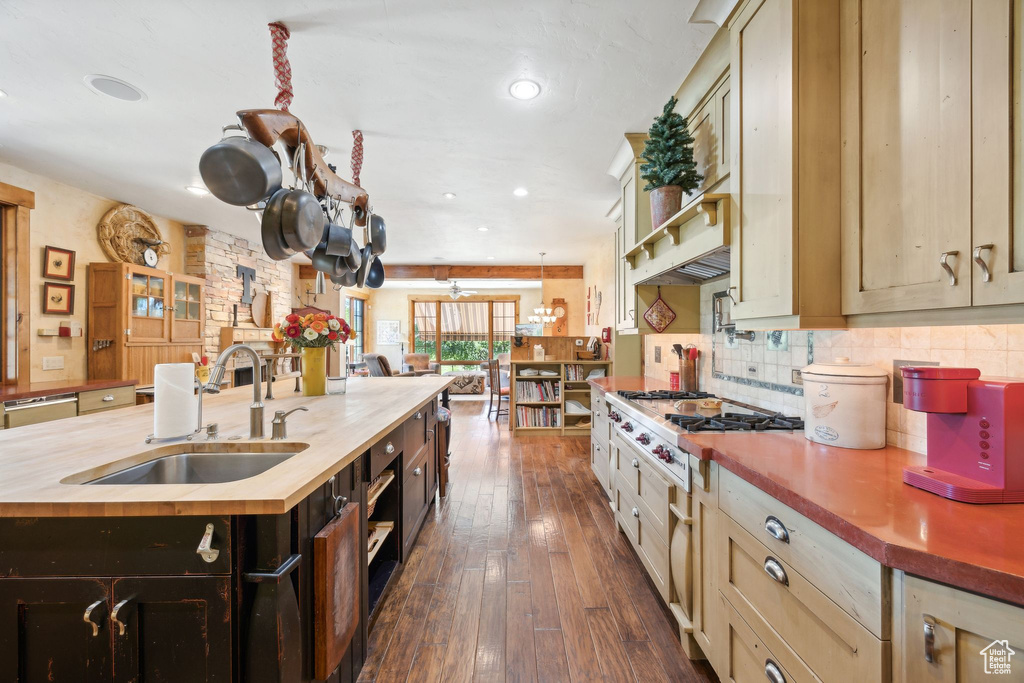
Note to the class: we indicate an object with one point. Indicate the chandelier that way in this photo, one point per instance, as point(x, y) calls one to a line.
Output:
point(542, 314)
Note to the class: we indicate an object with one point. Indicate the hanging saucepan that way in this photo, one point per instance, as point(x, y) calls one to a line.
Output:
point(375, 275)
point(337, 240)
point(240, 171)
point(302, 220)
point(270, 227)
point(332, 266)
point(355, 257)
point(378, 234)
point(346, 280)
point(364, 267)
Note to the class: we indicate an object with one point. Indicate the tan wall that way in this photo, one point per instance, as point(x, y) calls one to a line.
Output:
point(66, 217)
point(575, 294)
point(599, 272)
point(334, 302)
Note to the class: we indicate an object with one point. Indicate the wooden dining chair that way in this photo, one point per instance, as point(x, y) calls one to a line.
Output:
point(498, 392)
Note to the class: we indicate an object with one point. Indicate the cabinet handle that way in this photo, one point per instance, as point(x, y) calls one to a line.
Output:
point(773, 569)
point(417, 472)
point(636, 512)
point(206, 549)
point(730, 291)
point(114, 616)
point(389, 449)
point(636, 463)
point(418, 416)
point(774, 526)
point(772, 672)
point(944, 262)
point(929, 639)
point(87, 617)
point(108, 398)
point(986, 274)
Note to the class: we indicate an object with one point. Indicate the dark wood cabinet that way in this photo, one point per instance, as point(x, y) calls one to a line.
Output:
point(55, 630)
point(171, 628)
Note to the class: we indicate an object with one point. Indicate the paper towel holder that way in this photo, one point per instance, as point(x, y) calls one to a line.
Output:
point(150, 438)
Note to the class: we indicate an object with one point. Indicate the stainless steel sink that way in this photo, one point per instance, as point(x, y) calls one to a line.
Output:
point(203, 463)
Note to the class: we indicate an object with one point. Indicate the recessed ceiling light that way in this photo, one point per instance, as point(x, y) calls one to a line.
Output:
point(520, 192)
point(439, 258)
point(197, 190)
point(490, 258)
point(524, 89)
point(449, 195)
point(114, 87)
point(483, 228)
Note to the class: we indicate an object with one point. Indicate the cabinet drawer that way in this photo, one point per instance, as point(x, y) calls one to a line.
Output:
point(416, 430)
point(797, 621)
point(748, 658)
point(386, 450)
point(599, 462)
point(854, 581)
point(112, 546)
point(46, 411)
point(415, 484)
point(629, 519)
point(652, 491)
point(105, 399)
point(652, 551)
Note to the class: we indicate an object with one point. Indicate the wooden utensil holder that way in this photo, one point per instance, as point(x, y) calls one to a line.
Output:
point(687, 374)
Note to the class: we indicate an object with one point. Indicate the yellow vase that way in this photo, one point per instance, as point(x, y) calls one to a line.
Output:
point(314, 370)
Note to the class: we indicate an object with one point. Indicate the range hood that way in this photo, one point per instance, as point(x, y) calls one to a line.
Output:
point(709, 266)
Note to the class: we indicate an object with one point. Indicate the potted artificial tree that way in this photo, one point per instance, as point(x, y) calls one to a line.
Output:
point(670, 169)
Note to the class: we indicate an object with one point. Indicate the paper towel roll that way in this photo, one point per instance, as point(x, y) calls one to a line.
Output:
point(175, 407)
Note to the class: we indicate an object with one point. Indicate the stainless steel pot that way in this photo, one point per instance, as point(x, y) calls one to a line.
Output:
point(270, 228)
point(364, 267)
point(378, 235)
point(346, 280)
point(375, 275)
point(302, 220)
point(240, 171)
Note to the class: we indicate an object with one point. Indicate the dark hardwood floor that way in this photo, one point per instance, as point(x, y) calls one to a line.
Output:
point(519, 574)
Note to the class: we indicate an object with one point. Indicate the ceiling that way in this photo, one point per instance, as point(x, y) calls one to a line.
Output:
point(427, 82)
point(464, 284)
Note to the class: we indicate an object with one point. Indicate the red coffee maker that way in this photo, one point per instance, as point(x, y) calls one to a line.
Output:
point(975, 434)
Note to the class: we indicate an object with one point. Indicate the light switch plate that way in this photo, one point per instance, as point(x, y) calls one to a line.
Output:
point(752, 371)
point(579, 342)
point(797, 378)
point(657, 354)
point(53, 362)
point(897, 377)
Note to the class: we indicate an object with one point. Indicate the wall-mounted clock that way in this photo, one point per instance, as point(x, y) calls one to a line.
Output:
point(560, 328)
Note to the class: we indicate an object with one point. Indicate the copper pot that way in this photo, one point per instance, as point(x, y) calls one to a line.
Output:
point(665, 203)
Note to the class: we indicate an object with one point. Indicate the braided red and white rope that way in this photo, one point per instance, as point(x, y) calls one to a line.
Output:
point(279, 36)
point(357, 155)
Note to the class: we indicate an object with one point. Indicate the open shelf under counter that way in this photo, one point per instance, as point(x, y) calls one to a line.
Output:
point(379, 532)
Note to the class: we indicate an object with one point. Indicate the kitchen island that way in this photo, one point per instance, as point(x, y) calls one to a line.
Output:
point(208, 581)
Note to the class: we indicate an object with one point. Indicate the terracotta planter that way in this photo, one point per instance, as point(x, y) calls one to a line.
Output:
point(665, 203)
point(314, 370)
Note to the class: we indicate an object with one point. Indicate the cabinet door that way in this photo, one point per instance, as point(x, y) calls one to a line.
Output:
point(707, 612)
point(172, 629)
point(964, 635)
point(43, 632)
point(763, 221)
point(148, 296)
point(188, 313)
point(998, 148)
point(906, 154)
point(709, 125)
point(415, 486)
point(625, 293)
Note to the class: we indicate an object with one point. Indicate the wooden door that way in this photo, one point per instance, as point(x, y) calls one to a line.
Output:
point(172, 628)
point(188, 311)
point(998, 146)
point(707, 614)
point(906, 153)
point(961, 633)
point(763, 219)
point(147, 310)
point(43, 632)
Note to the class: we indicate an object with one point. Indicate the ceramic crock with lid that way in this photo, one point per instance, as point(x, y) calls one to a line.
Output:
point(845, 404)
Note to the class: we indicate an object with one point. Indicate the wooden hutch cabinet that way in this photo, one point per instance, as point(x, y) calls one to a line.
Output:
point(141, 316)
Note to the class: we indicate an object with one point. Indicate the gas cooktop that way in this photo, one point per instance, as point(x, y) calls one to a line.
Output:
point(700, 411)
point(736, 422)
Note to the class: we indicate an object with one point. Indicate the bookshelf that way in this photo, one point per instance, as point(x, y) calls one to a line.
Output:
point(538, 402)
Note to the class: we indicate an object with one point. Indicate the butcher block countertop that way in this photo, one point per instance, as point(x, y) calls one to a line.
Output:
point(860, 496)
point(14, 392)
point(34, 460)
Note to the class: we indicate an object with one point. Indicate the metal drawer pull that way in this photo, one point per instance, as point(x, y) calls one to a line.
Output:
point(636, 512)
point(418, 416)
point(944, 262)
point(87, 617)
point(113, 617)
point(774, 526)
point(417, 472)
point(929, 639)
point(773, 569)
point(205, 549)
point(108, 398)
point(985, 272)
point(772, 672)
point(389, 449)
point(636, 463)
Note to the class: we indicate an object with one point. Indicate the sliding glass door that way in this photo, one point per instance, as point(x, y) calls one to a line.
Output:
point(462, 334)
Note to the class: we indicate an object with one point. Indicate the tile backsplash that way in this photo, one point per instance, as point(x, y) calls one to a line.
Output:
point(761, 372)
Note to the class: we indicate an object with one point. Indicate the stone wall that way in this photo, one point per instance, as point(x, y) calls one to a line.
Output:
point(214, 255)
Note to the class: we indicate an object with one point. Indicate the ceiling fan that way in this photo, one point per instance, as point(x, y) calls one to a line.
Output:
point(456, 292)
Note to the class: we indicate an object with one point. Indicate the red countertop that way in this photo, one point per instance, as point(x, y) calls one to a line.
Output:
point(860, 496)
point(13, 392)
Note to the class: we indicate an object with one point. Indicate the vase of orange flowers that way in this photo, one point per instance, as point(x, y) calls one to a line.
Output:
point(312, 335)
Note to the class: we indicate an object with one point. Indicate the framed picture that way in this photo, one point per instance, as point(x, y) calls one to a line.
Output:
point(529, 330)
point(58, 299)
point(59, 264)
point(388, 332)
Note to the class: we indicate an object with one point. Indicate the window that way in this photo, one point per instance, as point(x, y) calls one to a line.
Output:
point(462, 334)
point(354, 310)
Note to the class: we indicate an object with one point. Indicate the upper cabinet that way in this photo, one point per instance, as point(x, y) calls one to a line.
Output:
point(931, 164)
point(709, 126)
point(784, 125)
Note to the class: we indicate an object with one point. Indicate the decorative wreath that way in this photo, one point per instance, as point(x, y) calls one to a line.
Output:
point(126, 231)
